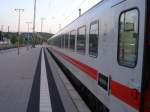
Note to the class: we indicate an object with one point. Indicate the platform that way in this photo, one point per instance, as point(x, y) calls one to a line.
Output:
point(33, 82)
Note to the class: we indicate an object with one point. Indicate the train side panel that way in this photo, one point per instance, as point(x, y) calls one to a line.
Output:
point(122, 93)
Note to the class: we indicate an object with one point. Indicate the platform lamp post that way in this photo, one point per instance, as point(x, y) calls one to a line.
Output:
point(42, 22)
point(19, 15)
point(34, 19)
point(28, 25)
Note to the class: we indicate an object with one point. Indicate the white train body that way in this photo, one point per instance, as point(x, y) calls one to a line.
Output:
point(109, 74)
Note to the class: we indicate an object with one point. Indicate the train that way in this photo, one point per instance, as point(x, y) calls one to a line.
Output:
point(107, 51)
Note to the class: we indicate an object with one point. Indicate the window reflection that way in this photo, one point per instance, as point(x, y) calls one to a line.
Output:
point(81, 40)
point(72, 39)
point(93, 39)
point(128, 38)
point(66, 40)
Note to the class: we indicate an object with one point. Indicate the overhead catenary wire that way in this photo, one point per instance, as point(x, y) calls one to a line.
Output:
point(69, 15)
point(76, 9)
point(66, 16)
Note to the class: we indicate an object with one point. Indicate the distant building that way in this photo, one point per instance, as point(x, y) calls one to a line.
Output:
point(25, 35)
point(5, 41)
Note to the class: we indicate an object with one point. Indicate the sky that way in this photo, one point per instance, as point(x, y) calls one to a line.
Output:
point(57, 13)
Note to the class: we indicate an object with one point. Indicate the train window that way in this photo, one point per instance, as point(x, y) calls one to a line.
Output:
point(62, 41)
point(81, 39)
point(128, 38)
point(72, 39)
point(93, 39)
point(56, 41)
point(59, 42)
point(66, 40)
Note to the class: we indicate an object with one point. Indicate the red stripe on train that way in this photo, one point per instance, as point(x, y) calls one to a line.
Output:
point(126, 94)
point(147, 99)
point(122, 92)
point(85, 68)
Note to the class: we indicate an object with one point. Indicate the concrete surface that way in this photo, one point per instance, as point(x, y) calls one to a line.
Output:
point(16, 77)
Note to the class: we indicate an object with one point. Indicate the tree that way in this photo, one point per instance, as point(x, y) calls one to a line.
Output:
point(13, 39)
point(1, 36)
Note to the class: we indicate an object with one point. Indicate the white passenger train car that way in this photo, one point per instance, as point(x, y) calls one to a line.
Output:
point(107, 49)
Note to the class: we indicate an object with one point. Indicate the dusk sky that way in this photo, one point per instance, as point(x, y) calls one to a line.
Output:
point(57, 13)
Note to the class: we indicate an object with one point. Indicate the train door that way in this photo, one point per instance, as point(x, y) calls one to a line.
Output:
point(126, 78)
point(145, 95)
